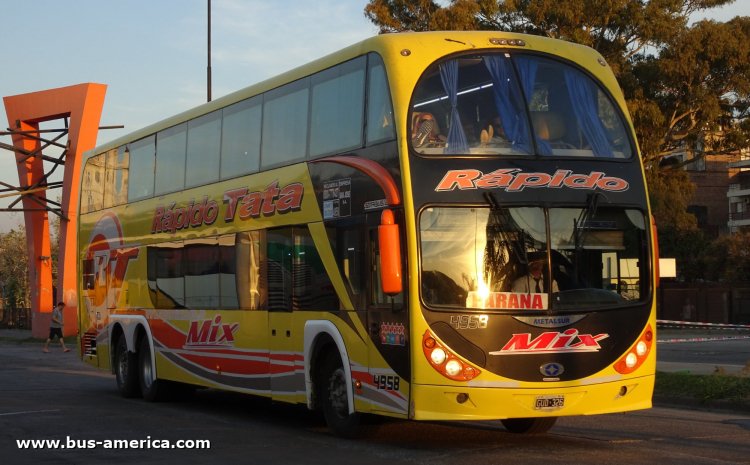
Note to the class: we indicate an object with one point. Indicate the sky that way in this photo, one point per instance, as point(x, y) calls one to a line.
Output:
point(152, 54)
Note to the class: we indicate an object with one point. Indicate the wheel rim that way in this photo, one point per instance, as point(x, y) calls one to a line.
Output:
point(122, 365)
point(337, 395)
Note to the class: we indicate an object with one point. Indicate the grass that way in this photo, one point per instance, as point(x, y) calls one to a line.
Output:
point(717, 390)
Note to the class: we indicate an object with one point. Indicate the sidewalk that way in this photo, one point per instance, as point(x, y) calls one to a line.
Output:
point(17, 334)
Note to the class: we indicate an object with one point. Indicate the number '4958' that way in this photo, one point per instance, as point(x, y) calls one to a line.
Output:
point(386, 382)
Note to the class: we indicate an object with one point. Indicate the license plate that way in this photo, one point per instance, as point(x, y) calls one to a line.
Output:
point(549, 402)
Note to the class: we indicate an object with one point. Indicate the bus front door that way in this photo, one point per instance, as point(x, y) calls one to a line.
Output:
point(283, 373)
point(388, 322)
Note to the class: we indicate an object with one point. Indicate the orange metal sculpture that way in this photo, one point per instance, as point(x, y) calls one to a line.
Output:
point(81, 105)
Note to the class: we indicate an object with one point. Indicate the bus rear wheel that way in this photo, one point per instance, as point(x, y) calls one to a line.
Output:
point(529, 425)
point(334, 397)
point(152, 389)
point(126, 369)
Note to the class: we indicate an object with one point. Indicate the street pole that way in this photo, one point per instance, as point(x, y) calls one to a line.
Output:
point(208, 69)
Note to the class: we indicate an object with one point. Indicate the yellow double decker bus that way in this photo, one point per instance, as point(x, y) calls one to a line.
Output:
point(432, 226)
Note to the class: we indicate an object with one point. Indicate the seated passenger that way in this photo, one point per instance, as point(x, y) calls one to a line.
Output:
point(533, 281)
point(493, 133)
point(425, 131)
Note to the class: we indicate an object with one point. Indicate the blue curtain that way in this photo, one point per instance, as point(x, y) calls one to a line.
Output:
point(509, 102)
point(456, 142)
point(583, 94)
point(527, 73)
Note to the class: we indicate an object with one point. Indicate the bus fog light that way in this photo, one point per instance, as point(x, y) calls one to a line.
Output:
point(641, 348)
point(631, 360)
point(453, 367)
point(437, 356)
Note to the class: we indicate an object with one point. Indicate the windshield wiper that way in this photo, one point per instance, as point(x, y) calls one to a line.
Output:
point(580, 223)
point(503, 225)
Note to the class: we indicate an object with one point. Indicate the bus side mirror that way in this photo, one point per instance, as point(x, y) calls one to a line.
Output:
point(390, 254)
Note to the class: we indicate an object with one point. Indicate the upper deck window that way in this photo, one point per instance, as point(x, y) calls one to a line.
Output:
point(503, 104)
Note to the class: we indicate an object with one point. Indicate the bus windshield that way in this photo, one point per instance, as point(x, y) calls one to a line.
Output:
point(514, 104)
point(497, 258)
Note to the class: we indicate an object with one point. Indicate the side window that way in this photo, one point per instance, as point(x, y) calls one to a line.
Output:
point(312, 287)
point(88, 275)
point(277, 268)
point(296, 276)
point(165, 275)
point(201, 266)
point(142, 156)
point(116, 189)
point(337, 108)
point(170, 159)
point(285, 124)
point(351, 255)
point(203, 144)
point(92, 185)
point(379, 109)
point(240, 138)
point(240, 277)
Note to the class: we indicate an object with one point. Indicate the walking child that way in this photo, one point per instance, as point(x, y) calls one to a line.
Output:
point(55, 327)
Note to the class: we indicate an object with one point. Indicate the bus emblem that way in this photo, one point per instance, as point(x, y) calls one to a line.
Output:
point(552, 342)
point(552, 369)
point(210, 333)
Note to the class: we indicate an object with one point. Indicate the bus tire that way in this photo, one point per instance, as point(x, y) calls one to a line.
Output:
point(334, 399)
point(529, 425)
point(126, 369)
point(152, 390)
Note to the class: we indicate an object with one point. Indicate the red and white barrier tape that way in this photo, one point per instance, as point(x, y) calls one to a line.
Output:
point(701, 325)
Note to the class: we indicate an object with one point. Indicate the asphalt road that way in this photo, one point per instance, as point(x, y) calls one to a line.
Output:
point(703, 351)
point(55, 396)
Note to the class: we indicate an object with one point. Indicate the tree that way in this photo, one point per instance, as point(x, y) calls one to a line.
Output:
point(14, 270)
point(728, 258)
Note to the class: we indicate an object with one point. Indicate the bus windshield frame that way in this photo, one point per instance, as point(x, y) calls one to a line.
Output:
point(515, 104)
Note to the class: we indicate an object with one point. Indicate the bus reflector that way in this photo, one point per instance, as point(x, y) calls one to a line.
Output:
point(446, 362)
point(637, 354)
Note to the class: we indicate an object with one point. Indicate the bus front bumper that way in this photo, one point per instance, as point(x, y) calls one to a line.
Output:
point(431, 402)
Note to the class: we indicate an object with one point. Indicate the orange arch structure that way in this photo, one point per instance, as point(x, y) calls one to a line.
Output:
point(81, 106)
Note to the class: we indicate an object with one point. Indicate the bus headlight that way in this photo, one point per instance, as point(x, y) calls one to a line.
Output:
point(437, 356)
point(637, 354)
point(453, 367)
point(641, 348)
point(445, 362)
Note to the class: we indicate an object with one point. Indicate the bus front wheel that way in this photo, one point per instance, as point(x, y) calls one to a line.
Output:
point(126, 369)
point(335, 399)
point(529, 425)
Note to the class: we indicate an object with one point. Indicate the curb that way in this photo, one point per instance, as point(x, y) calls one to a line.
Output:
point(713, 405)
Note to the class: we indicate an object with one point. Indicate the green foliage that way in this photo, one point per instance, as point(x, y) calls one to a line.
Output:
point(728, 258)
point(14, 280)
point(670, 189)
point(703, 388)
